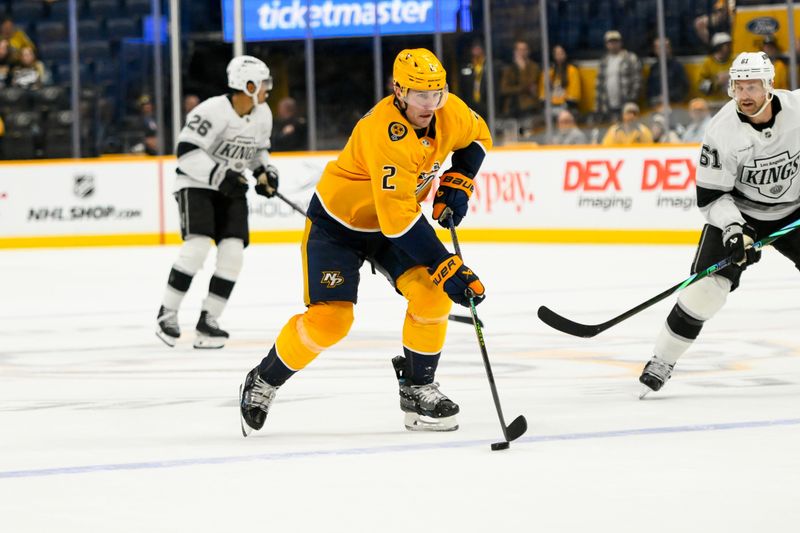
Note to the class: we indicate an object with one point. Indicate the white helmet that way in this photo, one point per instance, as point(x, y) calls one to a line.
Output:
point(753, 66)
point(248, 69)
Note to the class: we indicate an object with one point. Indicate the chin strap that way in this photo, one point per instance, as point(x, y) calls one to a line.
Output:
point(401, 106)
point(763, 107)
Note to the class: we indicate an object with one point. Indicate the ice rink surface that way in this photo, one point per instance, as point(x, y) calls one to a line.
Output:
point(105, 429)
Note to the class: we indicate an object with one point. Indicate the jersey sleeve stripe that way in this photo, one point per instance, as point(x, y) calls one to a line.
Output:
point(339, 220)
point(708, 196)
point(406, 229)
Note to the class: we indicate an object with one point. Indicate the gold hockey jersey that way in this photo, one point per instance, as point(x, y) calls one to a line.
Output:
point(386, 169)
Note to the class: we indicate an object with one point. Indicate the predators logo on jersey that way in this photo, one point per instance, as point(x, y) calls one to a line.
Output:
point(397, 131)
point(332, 278)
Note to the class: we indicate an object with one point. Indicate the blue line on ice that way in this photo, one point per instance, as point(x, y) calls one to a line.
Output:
point(279, 456)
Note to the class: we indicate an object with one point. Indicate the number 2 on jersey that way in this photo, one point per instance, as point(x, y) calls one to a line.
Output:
point(389, 172)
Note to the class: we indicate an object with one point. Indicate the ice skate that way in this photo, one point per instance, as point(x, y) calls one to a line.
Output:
point(656, 372)
point(209, 334)
point(168, 329)
point(255, 397)
point(426, 407)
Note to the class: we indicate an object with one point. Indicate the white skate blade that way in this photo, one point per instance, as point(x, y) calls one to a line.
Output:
point(167, 339)
point(246, 430)
point(645, 390)
point(204, 342)
point(416, 422)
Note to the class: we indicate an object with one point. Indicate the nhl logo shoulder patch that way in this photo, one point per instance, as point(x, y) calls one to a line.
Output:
point(397, 131)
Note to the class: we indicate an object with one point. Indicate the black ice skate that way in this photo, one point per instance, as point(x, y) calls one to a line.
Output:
point(656, 372)
point(425, 406)
point(209, 334)
point(255, 397)
point(168, 329)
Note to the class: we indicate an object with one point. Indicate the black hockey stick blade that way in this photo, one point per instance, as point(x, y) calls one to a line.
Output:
point(516, 428)
point(465, 320)
point(570, 327)
point(565, 325)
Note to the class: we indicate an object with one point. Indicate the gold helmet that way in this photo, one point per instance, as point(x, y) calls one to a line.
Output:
point(419, 69)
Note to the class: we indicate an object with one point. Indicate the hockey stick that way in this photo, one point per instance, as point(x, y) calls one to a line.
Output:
point(300, 210)
point(519, 425)
point(291, 204)
point(563, 324)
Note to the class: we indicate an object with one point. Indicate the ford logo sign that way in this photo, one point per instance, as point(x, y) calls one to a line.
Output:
point(763, 26)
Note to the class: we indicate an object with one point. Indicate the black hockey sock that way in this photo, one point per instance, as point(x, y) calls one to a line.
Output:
point(179, 281)
point(682, 324)
point(421, 369)
point(220, 287)
point(272, 370)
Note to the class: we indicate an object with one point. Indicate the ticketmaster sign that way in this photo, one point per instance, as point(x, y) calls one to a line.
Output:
point(271, 20)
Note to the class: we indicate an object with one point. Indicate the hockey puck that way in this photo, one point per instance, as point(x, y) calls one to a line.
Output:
point(500, 446)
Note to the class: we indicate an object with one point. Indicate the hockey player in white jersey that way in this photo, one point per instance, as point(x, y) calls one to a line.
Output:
point(747, 187)
point(223, 137)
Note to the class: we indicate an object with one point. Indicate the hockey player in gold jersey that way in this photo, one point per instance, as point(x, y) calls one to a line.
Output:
point(367, 206)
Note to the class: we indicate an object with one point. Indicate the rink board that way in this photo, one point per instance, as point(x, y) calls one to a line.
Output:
point(567, 195)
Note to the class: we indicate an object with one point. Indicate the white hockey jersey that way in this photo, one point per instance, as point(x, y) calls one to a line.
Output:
point(215, 139)
point(751, 169)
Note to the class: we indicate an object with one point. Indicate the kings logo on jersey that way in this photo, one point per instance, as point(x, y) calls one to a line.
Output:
point(772, 176)
point(238, 148)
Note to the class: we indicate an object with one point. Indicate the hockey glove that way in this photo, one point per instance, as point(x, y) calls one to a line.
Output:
point(266, 180)
point(738, 241)
point(233, 185)
point(454, 192)
point(455, 279)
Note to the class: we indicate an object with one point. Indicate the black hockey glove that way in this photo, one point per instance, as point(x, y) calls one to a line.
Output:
point(233, 185)
point(738, 241)
point(266, 180)
point(454, 192)
point(455, 279)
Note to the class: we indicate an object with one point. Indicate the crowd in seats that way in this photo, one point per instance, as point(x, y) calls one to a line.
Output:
point(36, 74)
point(35, 57)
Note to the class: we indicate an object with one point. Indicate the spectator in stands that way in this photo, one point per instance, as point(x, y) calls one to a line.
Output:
point(289, 132)
point(472, 83)
point(714, 70)
point(700, 117)
point(147, 112)
point(519, 84)
point(619, 78)
point(718, 21)
point(149, 127)
point(29, 73)
point(190, 101)
point(678, 83)
point(6, 62)
point(629, 130)
point(565, 83)
point(771, 48)
point(15, 36)
point(568, 132)
point(658, 128)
